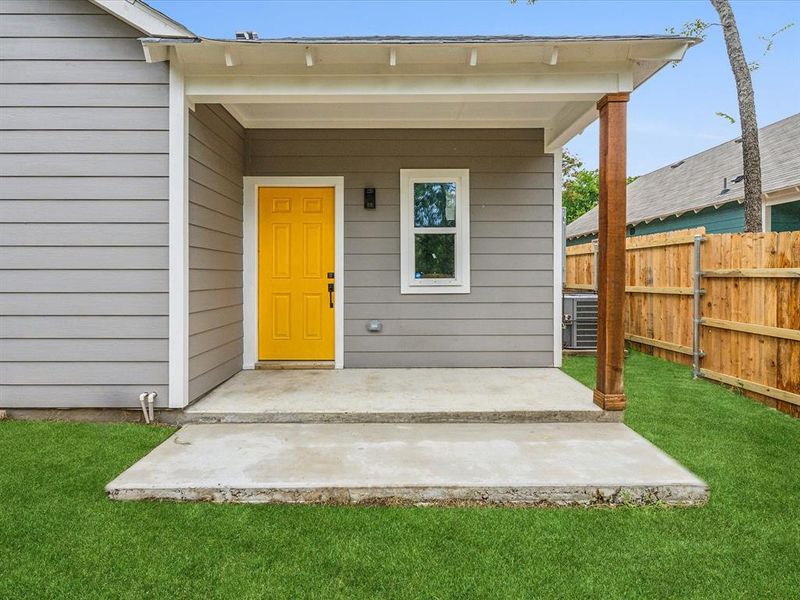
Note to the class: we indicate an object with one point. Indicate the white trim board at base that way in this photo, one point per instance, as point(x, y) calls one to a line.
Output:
point(250, 259)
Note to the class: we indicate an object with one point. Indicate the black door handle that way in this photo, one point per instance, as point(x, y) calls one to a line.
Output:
point(330, 294)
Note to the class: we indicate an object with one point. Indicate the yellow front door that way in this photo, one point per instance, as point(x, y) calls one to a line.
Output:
point(295, 273)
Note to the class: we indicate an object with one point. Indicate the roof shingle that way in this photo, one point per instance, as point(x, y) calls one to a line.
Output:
point(696, 182)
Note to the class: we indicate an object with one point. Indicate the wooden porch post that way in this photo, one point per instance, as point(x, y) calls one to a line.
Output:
point(609, 393)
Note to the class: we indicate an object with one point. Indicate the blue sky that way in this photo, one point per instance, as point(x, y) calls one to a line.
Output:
point(670, 117)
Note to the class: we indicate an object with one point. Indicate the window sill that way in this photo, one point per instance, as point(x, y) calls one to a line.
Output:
point(435, 289)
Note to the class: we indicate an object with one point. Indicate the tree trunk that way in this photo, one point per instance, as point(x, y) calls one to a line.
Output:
point(751, 157)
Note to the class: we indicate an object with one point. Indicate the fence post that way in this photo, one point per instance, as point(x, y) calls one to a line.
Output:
point(697, 292)
point(594, 264)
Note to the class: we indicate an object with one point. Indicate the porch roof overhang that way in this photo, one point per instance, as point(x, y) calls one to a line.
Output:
point(552, 83)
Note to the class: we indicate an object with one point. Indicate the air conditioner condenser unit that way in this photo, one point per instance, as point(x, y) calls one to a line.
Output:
point(580, 321)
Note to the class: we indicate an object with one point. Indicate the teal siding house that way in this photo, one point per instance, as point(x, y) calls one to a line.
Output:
point(707, 190)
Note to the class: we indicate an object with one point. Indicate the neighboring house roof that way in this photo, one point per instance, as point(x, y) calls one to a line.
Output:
point(144, 18)
point(696, 182)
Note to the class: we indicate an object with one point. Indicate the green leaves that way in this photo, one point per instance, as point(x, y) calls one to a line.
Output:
point(581, 186)
point(696, 28)
point(726, 116)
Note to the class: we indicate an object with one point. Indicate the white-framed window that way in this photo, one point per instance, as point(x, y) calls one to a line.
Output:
point(434, 231)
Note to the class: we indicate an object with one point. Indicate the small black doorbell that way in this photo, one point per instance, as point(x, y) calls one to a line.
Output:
point(369, 198)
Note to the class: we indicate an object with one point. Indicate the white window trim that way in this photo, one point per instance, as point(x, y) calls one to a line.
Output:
point(250, 260)
point(766, 209)
point(461, 283)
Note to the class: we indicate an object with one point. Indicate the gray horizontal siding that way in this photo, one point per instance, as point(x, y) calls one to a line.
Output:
point(84, 234)
point(98, 372)
point(66, 395)
point(72, 145)
point(56, 349)
point(85, 165)
point(213, 318)
point(76, 281)
point(99, 94)
point(84, 257)
point(216, 163)
point(89, 49)
point(451, 358)
point(44, 24)
point(409, 309)
point(447, 327)
point(90, 304)
point(83, 209)
point(77, 118)
point(84, 188)
point(506, 320)
point(83, 72)
point(499, 295)
point(94, 328)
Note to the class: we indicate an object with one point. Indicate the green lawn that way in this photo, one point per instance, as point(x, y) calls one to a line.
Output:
point(61, 538)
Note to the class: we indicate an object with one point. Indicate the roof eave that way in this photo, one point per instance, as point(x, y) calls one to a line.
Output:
point(585, 69)
point(145, 18)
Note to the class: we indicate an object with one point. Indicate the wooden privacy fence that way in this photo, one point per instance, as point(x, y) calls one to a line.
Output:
point(736, 319)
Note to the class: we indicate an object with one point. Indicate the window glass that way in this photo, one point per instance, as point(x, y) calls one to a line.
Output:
point(434, 256)
point(435, 204)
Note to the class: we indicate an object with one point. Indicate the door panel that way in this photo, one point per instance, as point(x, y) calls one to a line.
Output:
point(295, 255)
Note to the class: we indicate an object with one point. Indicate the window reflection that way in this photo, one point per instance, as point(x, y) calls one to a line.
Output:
point(435, 204)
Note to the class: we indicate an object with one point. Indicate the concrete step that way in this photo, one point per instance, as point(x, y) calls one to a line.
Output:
point(384, 416)
point(399, 396)
point(443, 464)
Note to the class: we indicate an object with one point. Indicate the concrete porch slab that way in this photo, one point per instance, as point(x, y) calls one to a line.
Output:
point(398, 396)
point(422, 463)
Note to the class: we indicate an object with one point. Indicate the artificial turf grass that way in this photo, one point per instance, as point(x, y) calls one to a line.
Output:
point(60, 536)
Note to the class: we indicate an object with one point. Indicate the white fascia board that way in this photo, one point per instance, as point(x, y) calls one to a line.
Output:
point(423, 88)
point(665, 52)
point(783, 195)
point(144, 18)
point(337, 123)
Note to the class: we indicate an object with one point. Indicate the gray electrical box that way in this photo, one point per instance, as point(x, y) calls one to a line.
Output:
point(580, 321)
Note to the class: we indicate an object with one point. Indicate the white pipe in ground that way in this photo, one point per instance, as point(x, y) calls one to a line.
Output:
point(142, 397)
point(151, 399)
